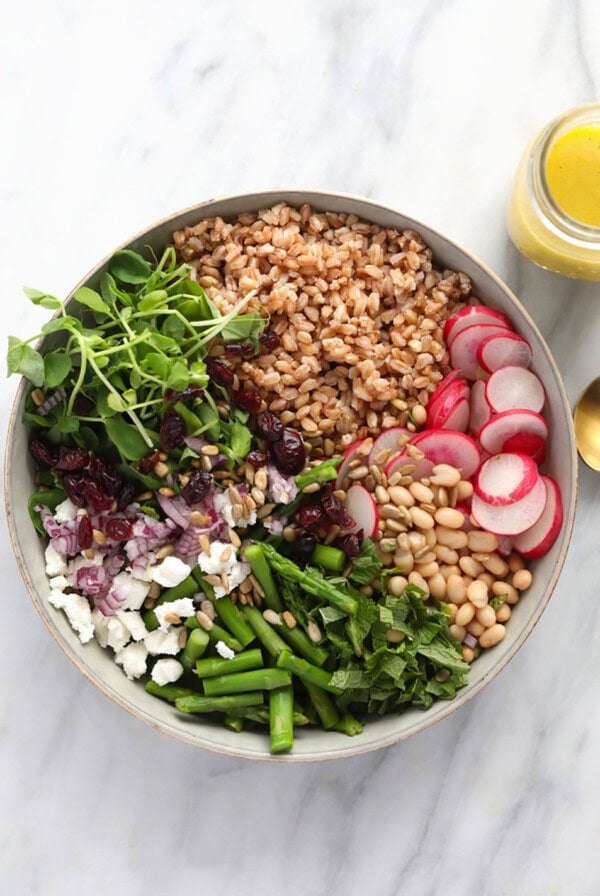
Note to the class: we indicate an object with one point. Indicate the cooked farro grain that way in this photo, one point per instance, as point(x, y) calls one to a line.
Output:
point(359, 310)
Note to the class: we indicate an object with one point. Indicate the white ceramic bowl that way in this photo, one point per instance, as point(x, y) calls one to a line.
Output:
point(97, 664)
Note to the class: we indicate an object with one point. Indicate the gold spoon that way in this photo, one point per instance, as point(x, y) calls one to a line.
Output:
point(586, 420)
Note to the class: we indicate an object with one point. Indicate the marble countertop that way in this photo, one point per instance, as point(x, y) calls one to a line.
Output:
point(116, 114)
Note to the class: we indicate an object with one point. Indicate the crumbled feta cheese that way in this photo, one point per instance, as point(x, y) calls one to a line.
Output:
point(166, 671)
point(100, 622)
point(170, 572)
point(56, 564)
point(65, 511)
point(133, 659)
point(235, 570)
point(58, 583)
point(183, 607)
point(77, 611)
point(130, 592)
point(117, 635)
point(224, 507)
point(158, 642)
point(223, 650)
point(133, 622)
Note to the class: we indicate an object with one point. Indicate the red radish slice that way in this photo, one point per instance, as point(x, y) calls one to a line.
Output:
point(348, 456)
point(443, 446)
point(504, 350)
point(502, 427)
point(458, 419)
point(463, 348)
point(527, 443)
point(444, 385)
point(441, 409)
point(511, 519)
point(363, 510)
point(473, 314)
point(422, 468)
point(538, 540)
point(505, 478)
point(514, 387)
point(480, 409)
point(465, 509)
point(505, 545)
point(388, 441)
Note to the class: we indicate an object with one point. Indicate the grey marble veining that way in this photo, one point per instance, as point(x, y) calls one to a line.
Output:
point(116, 114)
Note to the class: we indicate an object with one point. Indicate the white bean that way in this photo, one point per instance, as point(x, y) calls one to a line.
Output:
point(481, 542)
point(449, 517)
point(522, 579)
point(477, 592)
point(492, 636)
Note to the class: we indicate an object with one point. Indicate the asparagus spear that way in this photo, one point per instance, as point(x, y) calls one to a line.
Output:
point(259, 566)
point(215, 633)
point(200, 703)
point(301, 643)
point(187, 588)
point(264, 632)
point(242, 662)
point(330, 558)
point(195, 647)
point(281, 719)
point(260, 716)
point(235, 723)
point(170, 692)
point(305, 671)
point(323, 704)
point(310, 582)
point(349, 725)
point(227, 611)
point(241, 682)
point(323, 472)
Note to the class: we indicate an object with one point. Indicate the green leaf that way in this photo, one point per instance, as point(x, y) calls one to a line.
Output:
point(91, 299)
point(116, 402)
point(498, 601)
point(129, 267)
point(367, 565)
point(42, 298)
point(174, 328)
point(155, 363)
point(61, 323)
point(66, 425)
point(443, 655)
point(242, 328)
point(126, 438)
point(178, 377)
point(49, 498)
point(240, 440)
point(57, 366)
point(24, 359)
point(153, 299)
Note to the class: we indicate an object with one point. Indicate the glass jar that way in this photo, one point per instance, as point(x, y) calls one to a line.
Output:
point(553, 214)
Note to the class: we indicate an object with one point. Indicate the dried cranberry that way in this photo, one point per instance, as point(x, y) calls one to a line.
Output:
point(118, 529)
point(148, 461)
point(269, 340)
point(243, 349)
point(197, 487)
point(105, 476)
point(350, 544)
point(172, 431)
point(269, 427)
point(70, 459)
point(83, 406)
point(257, 458)
point(288, 452)
point(336, 511)
point(126, 496)
point(303, 548)
point(220, 372)
point(95, 499)
point(85, 534)
point(192, 392)
point(248, 400)
point(73, 485)
point(309, 514)
point(42, 453)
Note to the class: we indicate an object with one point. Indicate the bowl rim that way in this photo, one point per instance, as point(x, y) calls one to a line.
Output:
point(256, 200)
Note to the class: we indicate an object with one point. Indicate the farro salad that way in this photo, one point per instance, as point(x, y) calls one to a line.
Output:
point(289, 472)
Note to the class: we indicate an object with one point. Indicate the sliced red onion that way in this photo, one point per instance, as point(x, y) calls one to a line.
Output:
point(176, 509)
point(469, 640)
point(51, 402)
point(195, 443)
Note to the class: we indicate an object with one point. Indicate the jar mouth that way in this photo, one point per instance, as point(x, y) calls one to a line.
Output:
point(557, 220)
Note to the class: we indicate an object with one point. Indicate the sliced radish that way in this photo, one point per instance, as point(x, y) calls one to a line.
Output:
point(473, 314)
point(504, 350)
point(363, 510)
point(511, 519)
point(505, 478)
point(465, 509)
point(527, 443)
point(458, 419)
point(501, 427)
point(538, 540)
point(347, 457)
point(463, 348)
point(514, 387)
point(422, 468)
point(388, 441)
point(442, 409)
point(505, 545)
point(441, 387)
point(443, 446)
point(480, 409)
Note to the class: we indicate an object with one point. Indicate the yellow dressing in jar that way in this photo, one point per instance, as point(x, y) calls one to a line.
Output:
point(553, 214)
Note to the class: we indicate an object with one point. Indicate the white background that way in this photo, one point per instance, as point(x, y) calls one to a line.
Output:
point(117, 113)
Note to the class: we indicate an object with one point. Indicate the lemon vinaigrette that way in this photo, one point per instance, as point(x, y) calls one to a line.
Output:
point(554, 210)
